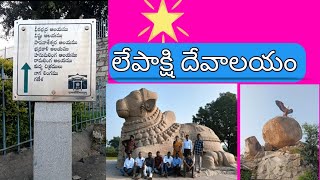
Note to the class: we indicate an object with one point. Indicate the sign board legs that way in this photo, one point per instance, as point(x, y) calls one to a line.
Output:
point(52, 141)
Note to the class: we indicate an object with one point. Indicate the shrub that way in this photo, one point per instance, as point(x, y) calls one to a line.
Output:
point(309, 152)
point(111, 152)
point(294, 151)
point(246, 174)
point(308, 175)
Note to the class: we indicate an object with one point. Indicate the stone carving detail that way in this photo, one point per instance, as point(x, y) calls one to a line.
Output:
point(155, 130)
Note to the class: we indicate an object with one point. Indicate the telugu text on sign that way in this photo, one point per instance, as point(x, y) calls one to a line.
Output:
point(55, 60)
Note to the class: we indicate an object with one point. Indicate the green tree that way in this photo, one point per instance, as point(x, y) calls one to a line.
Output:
point(13, 10)
point(114, 142)
point(221, 116)
point(310, 150)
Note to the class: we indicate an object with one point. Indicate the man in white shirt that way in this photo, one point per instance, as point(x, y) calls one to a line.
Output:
point(127, 166)
point(167, 164)
point(187, 146)
point(138, 166)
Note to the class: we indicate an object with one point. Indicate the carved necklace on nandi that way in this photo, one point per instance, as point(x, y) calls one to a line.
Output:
point(152, 129)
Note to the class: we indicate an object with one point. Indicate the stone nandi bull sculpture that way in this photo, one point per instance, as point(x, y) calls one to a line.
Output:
point(155, 130)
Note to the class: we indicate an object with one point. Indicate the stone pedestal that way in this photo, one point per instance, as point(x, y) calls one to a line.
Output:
point(52, 158)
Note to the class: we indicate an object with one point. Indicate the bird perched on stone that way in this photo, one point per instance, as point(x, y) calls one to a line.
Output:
point(284, 109)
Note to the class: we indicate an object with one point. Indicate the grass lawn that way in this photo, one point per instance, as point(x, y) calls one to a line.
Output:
point(111, 158)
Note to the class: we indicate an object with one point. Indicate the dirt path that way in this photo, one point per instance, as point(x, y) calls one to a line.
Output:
point(19, 167)
point(92, 168)
point(15, 166)
point(113, 173)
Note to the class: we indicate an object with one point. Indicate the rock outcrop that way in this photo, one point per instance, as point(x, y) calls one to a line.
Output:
point(253, 147)
point(268, 147)
point(155, 130)
point(270, 163)
point(276, 165)
point(281, 131)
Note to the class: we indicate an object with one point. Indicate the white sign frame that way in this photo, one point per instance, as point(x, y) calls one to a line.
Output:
point(19, 26)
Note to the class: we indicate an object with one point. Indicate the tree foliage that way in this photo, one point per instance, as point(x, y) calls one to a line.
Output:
point(114, 142)
point(221, 116)
point(111, 152)
point(13, 10)
point(310, 149)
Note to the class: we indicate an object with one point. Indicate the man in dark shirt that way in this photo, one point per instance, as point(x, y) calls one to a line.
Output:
point(129, 145)
point(149, 165)
point(158, 163)
point(188, 165)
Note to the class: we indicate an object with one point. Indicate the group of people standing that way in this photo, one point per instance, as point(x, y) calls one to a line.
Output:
point(167, 165)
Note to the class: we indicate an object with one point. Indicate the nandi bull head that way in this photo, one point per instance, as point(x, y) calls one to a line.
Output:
point(138, 104)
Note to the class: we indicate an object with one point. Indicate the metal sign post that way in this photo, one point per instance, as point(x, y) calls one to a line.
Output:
point(54, 65)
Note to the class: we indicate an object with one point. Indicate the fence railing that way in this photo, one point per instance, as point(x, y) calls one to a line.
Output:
point(16, 125)
point(102, 28)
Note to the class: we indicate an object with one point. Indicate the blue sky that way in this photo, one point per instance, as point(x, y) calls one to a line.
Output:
point(183, 99)
point(257, 106)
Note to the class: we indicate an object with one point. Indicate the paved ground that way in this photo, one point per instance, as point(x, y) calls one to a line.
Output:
point(113, 173)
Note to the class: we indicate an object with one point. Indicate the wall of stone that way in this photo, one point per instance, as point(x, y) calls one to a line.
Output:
point(102, 59)
point(102, 68)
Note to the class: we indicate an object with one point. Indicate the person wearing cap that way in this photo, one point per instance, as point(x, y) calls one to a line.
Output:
point(127, 166)
point(177, 147)
point(187, 146)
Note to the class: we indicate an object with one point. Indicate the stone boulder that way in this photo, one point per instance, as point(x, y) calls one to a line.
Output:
point(279, 165)
point(252, 147)
point(275, 165)
point(155, 130)
point(268, 147)
point(282, 131)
